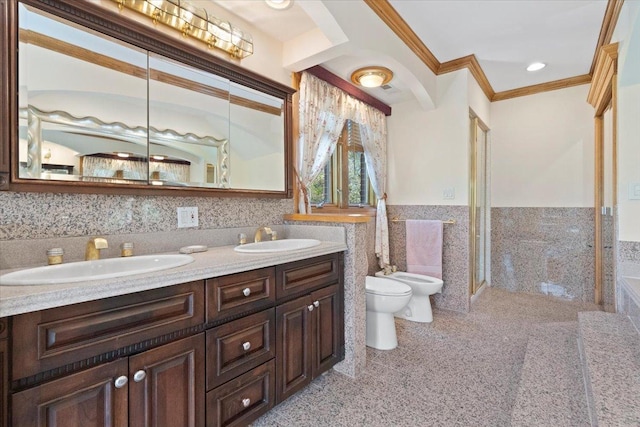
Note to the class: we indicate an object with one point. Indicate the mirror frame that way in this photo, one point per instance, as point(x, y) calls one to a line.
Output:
point(112, 24)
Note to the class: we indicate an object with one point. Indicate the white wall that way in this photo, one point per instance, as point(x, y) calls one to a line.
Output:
point(542, 150)
point(428, 150)
point(628, 35)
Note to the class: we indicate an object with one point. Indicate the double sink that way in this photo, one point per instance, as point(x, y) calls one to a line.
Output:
point(127, 266)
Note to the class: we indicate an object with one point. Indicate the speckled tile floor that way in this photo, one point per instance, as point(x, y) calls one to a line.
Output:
point(460, 370)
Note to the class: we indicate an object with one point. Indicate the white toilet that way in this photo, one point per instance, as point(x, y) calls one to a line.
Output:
point(419, 307)
point(384, 298)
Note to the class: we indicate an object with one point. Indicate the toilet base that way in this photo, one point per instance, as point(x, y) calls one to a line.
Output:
point(381, 331)
point(418, 310)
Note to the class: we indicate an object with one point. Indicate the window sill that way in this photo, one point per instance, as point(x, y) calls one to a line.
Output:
point(351, 218)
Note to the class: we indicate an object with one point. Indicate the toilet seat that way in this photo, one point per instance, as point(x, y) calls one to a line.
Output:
point(387, 287)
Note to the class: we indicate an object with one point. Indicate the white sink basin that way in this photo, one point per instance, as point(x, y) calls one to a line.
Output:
point(277, 245)
point(94, 270)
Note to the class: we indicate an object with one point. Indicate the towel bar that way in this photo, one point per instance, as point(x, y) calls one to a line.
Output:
point(446, 221)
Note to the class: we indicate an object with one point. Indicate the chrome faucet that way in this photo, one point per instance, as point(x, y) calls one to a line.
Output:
point(258, 236)
point(93, 248)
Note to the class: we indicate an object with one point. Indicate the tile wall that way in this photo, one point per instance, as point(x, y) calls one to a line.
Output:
point(455, 256)
point(544, 250)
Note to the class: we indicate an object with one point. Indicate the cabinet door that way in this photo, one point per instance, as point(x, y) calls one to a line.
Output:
point(166, 385)
point(89, 399)
point(293, 346)
point(328, 329)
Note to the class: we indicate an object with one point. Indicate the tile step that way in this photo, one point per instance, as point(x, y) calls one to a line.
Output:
point(551, 390)
point(610, 354)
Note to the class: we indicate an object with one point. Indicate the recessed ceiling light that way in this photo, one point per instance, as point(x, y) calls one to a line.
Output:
point(279, 4)
point(372, 76)
point(536, 66)
point(123, 155)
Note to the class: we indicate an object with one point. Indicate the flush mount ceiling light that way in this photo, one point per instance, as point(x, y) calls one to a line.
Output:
point(279, 4)
point(194, 22)
point(536, 66)
point(372, 76)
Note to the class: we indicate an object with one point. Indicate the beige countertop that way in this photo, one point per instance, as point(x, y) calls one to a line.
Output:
point(217, 261)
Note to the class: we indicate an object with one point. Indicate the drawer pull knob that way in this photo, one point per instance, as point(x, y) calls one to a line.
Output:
point(246, 346)
point(121, 381)
point(316, 303)
point(310, 307)
point(246, 402)
point(246, 292)
point(139, 376)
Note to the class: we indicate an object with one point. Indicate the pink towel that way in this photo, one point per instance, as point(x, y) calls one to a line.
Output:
point(424, 247)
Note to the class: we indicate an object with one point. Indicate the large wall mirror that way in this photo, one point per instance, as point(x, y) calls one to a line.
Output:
point(102, 103)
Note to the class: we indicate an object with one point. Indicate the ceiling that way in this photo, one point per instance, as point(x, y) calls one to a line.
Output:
point(504, 35)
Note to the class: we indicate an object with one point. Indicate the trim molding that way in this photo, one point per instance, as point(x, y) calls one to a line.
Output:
point(605, 68)
point(543, 87)
point(399, 26)
point(609, 22)
point(470, 62)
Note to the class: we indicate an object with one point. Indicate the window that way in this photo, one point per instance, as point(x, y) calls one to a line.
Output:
point(344, 182)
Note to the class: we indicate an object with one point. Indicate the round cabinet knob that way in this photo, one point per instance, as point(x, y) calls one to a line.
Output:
point(139, 376)
point(246, 402)
point(121, 381)
point(316, 303)
point(310, 307)
point(246, 346)
point(246, 292)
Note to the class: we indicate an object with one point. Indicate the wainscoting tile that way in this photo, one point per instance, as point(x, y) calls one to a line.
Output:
point(544, 250)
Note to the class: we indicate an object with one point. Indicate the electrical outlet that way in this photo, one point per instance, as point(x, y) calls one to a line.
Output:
point(634, 191)
point(449, 193)
point(187, 217)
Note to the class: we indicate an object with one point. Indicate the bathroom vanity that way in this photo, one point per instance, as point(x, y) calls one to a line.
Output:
point(218, 350)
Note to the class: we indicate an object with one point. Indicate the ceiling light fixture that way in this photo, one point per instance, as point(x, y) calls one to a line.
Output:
point(158, 157)
point(194, 22)
point(279, 4)
point(123, 154)
point(373, 76)
point(536, 66)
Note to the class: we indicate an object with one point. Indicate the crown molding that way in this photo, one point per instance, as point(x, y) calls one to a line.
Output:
point(609, 22)
point(604, 70)
point(470, 62)
point(542, 87)
point(399, 26)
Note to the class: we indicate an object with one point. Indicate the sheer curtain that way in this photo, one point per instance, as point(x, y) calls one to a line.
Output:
point(323, 111)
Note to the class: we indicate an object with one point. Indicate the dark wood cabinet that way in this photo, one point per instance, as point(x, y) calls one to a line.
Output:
point(243, 399)
point(310, 339)
point(59, 336)
point(162, 387)
point(167, 385)
point(293, 353)
point(97, 397)
point(4, 372)
point(216, 352)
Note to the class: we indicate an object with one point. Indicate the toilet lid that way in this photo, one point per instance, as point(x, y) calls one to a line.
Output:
point(387, 287)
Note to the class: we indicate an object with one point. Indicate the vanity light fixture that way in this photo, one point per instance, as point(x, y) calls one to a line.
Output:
point(535, 66)
point(194, 22)
point(372, 76)
point(279, 4)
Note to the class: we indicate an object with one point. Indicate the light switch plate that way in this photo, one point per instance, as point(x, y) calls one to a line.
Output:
point(634, 191)
point(187, 217)
point(449, 193)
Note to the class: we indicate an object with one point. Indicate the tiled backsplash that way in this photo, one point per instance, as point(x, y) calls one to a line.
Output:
point(455, 256)
point(544, 250)
point(45, 215)
point(629, 251)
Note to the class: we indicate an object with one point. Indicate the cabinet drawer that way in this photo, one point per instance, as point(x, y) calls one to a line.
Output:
point(302, 276)
point(237, 293)
point(243, 399)
point(52, 338)
point(238, 346)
